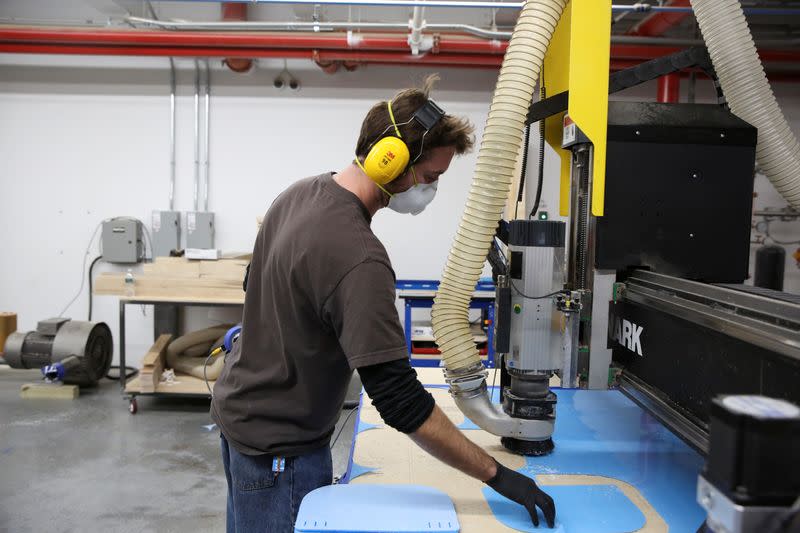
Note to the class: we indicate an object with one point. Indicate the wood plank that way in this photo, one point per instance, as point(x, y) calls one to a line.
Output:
point(201, 299)
point(8, 325)
point(171, 290)
point(153, 363)
point(48, 391)
point(183, 384)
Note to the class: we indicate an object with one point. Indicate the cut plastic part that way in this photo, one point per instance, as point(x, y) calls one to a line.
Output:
point(747, 91)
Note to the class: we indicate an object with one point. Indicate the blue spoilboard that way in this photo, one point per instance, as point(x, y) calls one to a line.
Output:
point(603, 433)
point(376, 509)
point(579, 509)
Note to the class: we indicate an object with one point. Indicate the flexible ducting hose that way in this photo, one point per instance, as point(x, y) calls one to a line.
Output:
point(748, 92)
point(494, 173)
point(188, 353)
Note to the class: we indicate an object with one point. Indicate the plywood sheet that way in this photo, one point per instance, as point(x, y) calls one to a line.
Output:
point(396, 459)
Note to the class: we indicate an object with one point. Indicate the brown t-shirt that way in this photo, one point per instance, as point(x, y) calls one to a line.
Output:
point(320, 302)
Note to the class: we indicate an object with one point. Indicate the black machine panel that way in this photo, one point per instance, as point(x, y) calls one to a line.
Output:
point(679, 185)
point(689, 364)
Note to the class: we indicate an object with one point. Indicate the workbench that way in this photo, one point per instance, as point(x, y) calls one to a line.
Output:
point(419, 294)
point(184, 385)
point(602, 439)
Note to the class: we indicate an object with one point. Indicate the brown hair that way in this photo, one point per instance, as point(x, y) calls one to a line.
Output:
point(449, 131)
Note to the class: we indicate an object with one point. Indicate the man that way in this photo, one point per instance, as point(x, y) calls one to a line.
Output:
point(320, 302)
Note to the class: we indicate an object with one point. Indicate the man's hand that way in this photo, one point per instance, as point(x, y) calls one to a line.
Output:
point(524, 491)
point(439, 437)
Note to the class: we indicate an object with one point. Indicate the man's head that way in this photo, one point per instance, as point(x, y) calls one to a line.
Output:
point(431, 151)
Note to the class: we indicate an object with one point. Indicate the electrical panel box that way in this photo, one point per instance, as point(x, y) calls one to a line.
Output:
point(199, 229)
point(166, 232)
point(123, 240)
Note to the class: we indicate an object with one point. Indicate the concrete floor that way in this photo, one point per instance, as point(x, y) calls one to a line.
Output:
point(88, 465)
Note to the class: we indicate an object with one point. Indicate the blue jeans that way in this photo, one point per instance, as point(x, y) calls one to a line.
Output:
point(262, 500)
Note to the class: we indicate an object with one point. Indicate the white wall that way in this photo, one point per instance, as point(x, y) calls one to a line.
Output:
point(83, 139)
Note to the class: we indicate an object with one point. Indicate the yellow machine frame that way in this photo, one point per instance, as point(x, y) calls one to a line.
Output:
point(582, 41)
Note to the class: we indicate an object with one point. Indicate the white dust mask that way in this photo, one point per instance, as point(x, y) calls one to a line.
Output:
point(414, 200)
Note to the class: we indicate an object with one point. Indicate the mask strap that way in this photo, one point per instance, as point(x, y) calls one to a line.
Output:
point(361, 166)
point(414, 173)
point(381, 188)
point(358, 162)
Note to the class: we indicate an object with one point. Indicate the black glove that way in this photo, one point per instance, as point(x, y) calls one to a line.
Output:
point(524, 491)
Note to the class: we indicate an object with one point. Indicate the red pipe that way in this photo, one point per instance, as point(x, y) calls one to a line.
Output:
point(348, 56)
point(449, 51)
point(658, 24)
point(236, 12)
point(669, 89)
point(158, 38)
point(237, 42)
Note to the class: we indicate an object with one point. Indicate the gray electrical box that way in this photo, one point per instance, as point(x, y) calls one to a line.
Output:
point(199, 229)
point(166, 232)
point(123, 240)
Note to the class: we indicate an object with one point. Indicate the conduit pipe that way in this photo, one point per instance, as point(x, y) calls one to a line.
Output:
point(491, 183)
point(748, 92)
point(196, 135)
point(415, 39)
point(207, 117)
point(478, 4)
point(236, 11)
point(172, 89)
point(319, 26)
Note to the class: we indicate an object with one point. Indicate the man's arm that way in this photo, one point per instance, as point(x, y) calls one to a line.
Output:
point(405, 405)
point(440, 438)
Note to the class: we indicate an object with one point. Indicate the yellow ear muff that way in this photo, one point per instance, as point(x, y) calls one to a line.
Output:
point(386, 160)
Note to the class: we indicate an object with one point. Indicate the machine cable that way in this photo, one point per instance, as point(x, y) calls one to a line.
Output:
point(542, 297)
point(524, 169)
point(91, 282)
point(339, 433)
point(541, 157)
point(129, 372)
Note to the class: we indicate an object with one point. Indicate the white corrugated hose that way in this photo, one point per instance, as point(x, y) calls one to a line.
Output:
point(494, 174)
point(748, 92)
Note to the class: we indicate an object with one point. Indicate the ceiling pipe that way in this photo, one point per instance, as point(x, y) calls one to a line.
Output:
point(215, 44)
point(483, 4)
point(369, 48)
point(466, 29)
point(236, 11)
point(238, 44)
point(349, 58)
point(318, 26)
